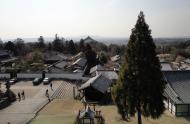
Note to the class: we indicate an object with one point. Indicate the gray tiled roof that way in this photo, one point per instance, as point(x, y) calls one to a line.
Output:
point(80, 62)
point(5, 56)
point(187, 61)
point(4, 52)
point(171, 93)
point(54, 69)
point(115, 58)
point(78, 71)
point(178, 88)
point(69, 76)
point(9, 60)
point(77, 56)
point(60, 64)
point(99, 82)
point(166, 66)
point(55, 56)
point(89, 39)
point(96, 68)
point(110, 74)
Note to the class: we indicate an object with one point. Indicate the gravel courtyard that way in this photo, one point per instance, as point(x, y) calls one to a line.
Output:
point(20, 112)
point(63, 109)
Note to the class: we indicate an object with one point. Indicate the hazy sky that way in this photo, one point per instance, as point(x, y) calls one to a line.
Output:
point(108, 18)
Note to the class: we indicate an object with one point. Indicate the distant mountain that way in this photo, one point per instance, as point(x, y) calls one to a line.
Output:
point(31, 39)
point(107, 40)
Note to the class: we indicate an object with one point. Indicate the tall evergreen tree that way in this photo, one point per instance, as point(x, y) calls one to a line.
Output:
point(57, 44)
point(49, 46)
point(91, 59)
point(10, 46)
point(102, 57)
point(140, 85)
point(81, 45)
point(1, 44)
point(72, 47)
point(20, 48)
point(41, 43)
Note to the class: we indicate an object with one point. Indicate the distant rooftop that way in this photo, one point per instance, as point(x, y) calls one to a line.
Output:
point(89, 39)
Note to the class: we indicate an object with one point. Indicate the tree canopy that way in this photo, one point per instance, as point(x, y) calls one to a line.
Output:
point(91, 59)
point(41, 43)
point(140, 85)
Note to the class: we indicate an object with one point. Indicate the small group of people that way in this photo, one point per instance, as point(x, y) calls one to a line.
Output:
point(21, 95)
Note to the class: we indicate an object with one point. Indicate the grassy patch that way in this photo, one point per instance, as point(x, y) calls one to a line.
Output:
point(53, 119)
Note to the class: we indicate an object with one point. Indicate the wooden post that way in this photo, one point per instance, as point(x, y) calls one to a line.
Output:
point(94, 107)
point(85, 105)
point(74, 92)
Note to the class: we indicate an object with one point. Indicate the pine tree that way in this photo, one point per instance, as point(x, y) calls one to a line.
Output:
point(140, 85)
point(91, 59)
point(71, 47)
point(10, 46)
point(41, 43)
point(57, 44)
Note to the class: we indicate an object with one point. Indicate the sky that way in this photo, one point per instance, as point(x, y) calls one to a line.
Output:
point(106, 18)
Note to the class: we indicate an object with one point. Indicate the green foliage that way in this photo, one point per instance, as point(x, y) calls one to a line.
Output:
point(20, 48)
point(141, 80)
point(81, 45)
point(102, 57)
point(119, 94)
point(72, 48)
point(115, 49)
point(10, 46)
point(57, 44)
point(37, 57)
point(49, 46)
point(1, 44)
point(91, 59)
point(175, 48)
point(31, 62)
point(41, 43)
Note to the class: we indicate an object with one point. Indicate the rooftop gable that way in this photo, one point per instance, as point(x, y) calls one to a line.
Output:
point(179, 81)
point(99, 82)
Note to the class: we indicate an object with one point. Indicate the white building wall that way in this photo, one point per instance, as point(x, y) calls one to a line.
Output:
point(173, 109)
point(166, 104)
point(170, 107)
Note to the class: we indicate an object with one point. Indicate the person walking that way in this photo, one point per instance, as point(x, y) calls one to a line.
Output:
point(47, 95)
point(46, 92)
point(23, 94)
point(51, 85)
point(19, 97)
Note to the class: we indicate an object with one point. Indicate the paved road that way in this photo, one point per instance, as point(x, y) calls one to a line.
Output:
point(21, 112)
